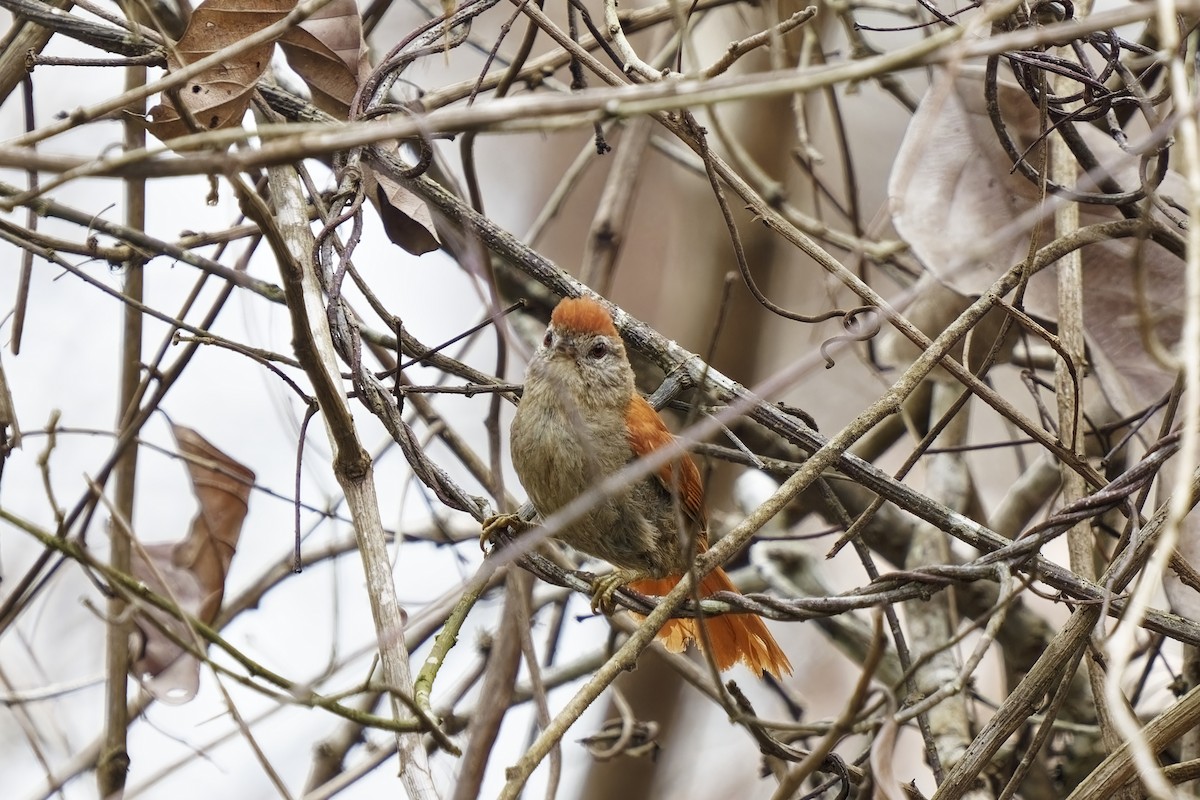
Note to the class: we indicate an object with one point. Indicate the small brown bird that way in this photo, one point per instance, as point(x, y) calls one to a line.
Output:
point(581, 420)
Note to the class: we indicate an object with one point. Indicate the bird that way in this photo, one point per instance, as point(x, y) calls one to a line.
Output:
point(580, 420)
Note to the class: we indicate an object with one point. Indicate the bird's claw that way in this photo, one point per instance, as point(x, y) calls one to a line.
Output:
point(495, 523)
point(606, 586)
point(602, 593)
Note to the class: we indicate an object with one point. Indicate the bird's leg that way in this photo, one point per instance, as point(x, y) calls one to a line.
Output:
point(606, 585)
point(497, 521)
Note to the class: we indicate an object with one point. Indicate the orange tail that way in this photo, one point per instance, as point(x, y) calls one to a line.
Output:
point(734, 637)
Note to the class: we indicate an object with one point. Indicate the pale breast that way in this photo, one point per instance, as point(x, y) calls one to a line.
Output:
point(549, 455)
point(559, 453)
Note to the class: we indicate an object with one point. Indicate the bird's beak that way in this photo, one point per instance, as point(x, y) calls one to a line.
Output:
point(563, 350)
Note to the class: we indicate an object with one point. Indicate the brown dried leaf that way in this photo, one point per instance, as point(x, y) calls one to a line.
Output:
point(193, 570)
point(956, 201)
point(326, 50)
point(222, 487)
point(328, 54)
point(406, 219)
point(218, 97)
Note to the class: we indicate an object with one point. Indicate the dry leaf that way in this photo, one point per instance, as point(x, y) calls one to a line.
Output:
point(968, 217)
point(406, 219)
point(326, 50)
point(955, 200)
point(193, 570)
point(883, 762)
point(218, 97)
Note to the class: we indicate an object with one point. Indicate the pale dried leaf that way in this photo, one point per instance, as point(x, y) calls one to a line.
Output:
point(160, 664)
point(955, 200)
point(193, 570)
point(950, 190)
point(883, 762)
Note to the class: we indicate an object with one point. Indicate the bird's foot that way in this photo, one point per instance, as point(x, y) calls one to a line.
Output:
point(497, 521)
point(606, 586)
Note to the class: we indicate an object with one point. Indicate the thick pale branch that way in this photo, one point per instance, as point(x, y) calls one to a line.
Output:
point(293, 245)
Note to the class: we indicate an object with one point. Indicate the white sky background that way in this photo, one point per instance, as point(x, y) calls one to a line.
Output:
point(69, 361)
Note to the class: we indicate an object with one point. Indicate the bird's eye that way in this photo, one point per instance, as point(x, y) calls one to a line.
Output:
point(547, 339)
point(599, 350)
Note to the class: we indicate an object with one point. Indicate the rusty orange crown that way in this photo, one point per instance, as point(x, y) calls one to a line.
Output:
point(583, 315)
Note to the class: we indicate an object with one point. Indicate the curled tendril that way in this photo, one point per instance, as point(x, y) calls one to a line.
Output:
point(1052, 11)
point(349, 196)
point(439, 34)
point(623, 737)
point(1113, 194)
point(860, 323)
point(1104, 89)
point(422, 145)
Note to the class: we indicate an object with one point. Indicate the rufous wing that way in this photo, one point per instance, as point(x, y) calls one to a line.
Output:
point(733, 637)
point(680, 477)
